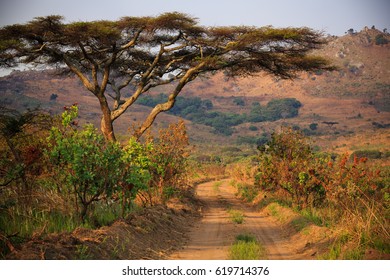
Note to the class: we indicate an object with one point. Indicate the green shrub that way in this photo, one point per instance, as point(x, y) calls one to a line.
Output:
point(313, 126)
point(91, 168)
point(345, 191)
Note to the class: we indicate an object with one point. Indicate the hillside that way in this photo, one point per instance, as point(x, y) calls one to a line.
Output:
point(350, 107)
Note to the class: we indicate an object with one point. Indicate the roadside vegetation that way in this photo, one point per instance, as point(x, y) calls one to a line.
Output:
point(57, 176)
point(348, 194)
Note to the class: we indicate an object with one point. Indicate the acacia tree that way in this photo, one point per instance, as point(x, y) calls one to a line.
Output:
point(136, 54)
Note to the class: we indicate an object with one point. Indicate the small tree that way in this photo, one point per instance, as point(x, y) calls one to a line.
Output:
point(313, 126)
point(136, 54)
point(53, 97)
point(239, 101)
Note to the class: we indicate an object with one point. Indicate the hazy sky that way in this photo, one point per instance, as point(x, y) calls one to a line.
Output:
point(332, 16)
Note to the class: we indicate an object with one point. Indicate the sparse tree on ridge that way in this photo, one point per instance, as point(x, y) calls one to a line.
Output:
point(136, 54)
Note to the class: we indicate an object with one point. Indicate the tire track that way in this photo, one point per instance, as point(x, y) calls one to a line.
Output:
point(212, 237)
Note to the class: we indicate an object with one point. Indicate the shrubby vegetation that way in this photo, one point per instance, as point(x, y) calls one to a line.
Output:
point(371, 154)
point(92, 169)
point(288, 164)
point(55, 179)
point(253, 140)
point(168, 164)
point(200, 111)
point(275, 109)
point(342, 191)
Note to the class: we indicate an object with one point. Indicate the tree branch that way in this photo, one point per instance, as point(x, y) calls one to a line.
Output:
point(189, 76)
point(79, 74)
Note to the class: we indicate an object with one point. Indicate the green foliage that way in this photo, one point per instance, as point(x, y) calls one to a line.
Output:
point(246, 247)
point(253, 140)
point(82, 252)
point(275, 109)
point(90, 167)
point(67, 176)
point(247, 191)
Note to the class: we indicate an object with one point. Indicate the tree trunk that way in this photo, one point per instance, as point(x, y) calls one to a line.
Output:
point(107, 129)
point(84, 211)
point(106, 125)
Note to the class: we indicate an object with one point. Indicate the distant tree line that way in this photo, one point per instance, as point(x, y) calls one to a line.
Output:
point(200, 111)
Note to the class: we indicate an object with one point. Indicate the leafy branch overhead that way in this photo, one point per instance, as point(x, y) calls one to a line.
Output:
point(136, 54)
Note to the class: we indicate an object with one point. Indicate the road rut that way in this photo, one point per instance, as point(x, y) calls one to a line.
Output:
point(216, 232)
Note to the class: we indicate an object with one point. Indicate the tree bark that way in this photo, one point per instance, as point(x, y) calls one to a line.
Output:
point(106, 125)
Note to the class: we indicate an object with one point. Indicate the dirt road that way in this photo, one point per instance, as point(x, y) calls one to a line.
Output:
point(212, 237)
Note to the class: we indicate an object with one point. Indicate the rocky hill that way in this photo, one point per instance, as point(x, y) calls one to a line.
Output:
point(345, 110)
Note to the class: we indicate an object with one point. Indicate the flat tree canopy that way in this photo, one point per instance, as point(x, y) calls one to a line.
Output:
point(136, 54)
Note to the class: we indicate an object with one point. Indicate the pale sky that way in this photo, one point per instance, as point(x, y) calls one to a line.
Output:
point(331, 16)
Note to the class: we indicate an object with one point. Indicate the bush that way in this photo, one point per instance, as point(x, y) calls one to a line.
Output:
point(69, 176)
point(247, 191)
point(313, 126)
point(53, 97)
point(91, 168)
point(168, 164)
point(286, 164)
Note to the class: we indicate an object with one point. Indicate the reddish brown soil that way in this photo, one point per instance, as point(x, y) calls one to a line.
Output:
point(150, 234)
point(216, 232)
